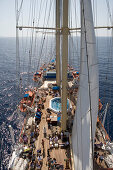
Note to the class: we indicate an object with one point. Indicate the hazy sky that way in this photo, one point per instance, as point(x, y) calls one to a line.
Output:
point(7, 18)
point(7, 14)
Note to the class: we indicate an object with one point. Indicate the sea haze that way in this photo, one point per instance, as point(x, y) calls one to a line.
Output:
point(10, 93)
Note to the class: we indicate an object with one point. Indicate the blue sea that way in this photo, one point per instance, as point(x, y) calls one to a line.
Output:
point(11, 93)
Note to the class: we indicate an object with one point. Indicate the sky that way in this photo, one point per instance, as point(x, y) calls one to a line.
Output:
point(8, 19)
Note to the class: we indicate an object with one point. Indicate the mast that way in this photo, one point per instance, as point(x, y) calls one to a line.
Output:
point(65, 31)
point(58, 42)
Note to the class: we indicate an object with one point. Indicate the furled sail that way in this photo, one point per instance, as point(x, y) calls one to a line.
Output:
point(84, 124)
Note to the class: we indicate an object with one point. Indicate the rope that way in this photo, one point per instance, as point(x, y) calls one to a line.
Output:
point(109, 12)
point(36, 45)
point(42, 44)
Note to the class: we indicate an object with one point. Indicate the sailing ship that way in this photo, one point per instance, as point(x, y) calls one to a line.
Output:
point(60, 133)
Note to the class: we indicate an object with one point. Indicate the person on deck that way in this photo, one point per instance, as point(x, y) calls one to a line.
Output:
point(101, 158)
point(44, 131)
point(42, 143)
point(62, 135)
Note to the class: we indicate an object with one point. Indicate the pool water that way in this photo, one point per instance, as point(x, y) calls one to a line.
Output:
point(55, 104)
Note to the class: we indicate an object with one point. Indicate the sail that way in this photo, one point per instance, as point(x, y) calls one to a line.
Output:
point(84, 124)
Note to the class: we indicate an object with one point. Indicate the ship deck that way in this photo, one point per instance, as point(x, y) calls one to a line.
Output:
point(44, 145)
point(57, 153)
point(100, 153)
point(55, 149)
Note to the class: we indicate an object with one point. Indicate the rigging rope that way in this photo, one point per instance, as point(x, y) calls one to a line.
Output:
point(109, 12)
point(36, 32)
point(108, 78)
point(42, 44)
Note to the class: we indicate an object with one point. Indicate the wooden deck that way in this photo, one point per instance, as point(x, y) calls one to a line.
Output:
point(61, 155)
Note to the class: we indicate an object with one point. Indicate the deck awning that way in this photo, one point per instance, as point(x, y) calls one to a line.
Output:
point(26, 95)
point(56, 88)
point(37, 73)
point(53, 60)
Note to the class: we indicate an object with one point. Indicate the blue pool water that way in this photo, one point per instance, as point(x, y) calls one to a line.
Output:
point(56, 104)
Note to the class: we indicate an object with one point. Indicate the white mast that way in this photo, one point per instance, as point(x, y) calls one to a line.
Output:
point(65, 31)
point(58, 42)
point(84, 125)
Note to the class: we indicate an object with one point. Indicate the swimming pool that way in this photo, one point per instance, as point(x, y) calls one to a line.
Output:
point(55, 104)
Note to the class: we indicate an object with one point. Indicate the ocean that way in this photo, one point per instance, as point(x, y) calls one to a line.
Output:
point(10, 93)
